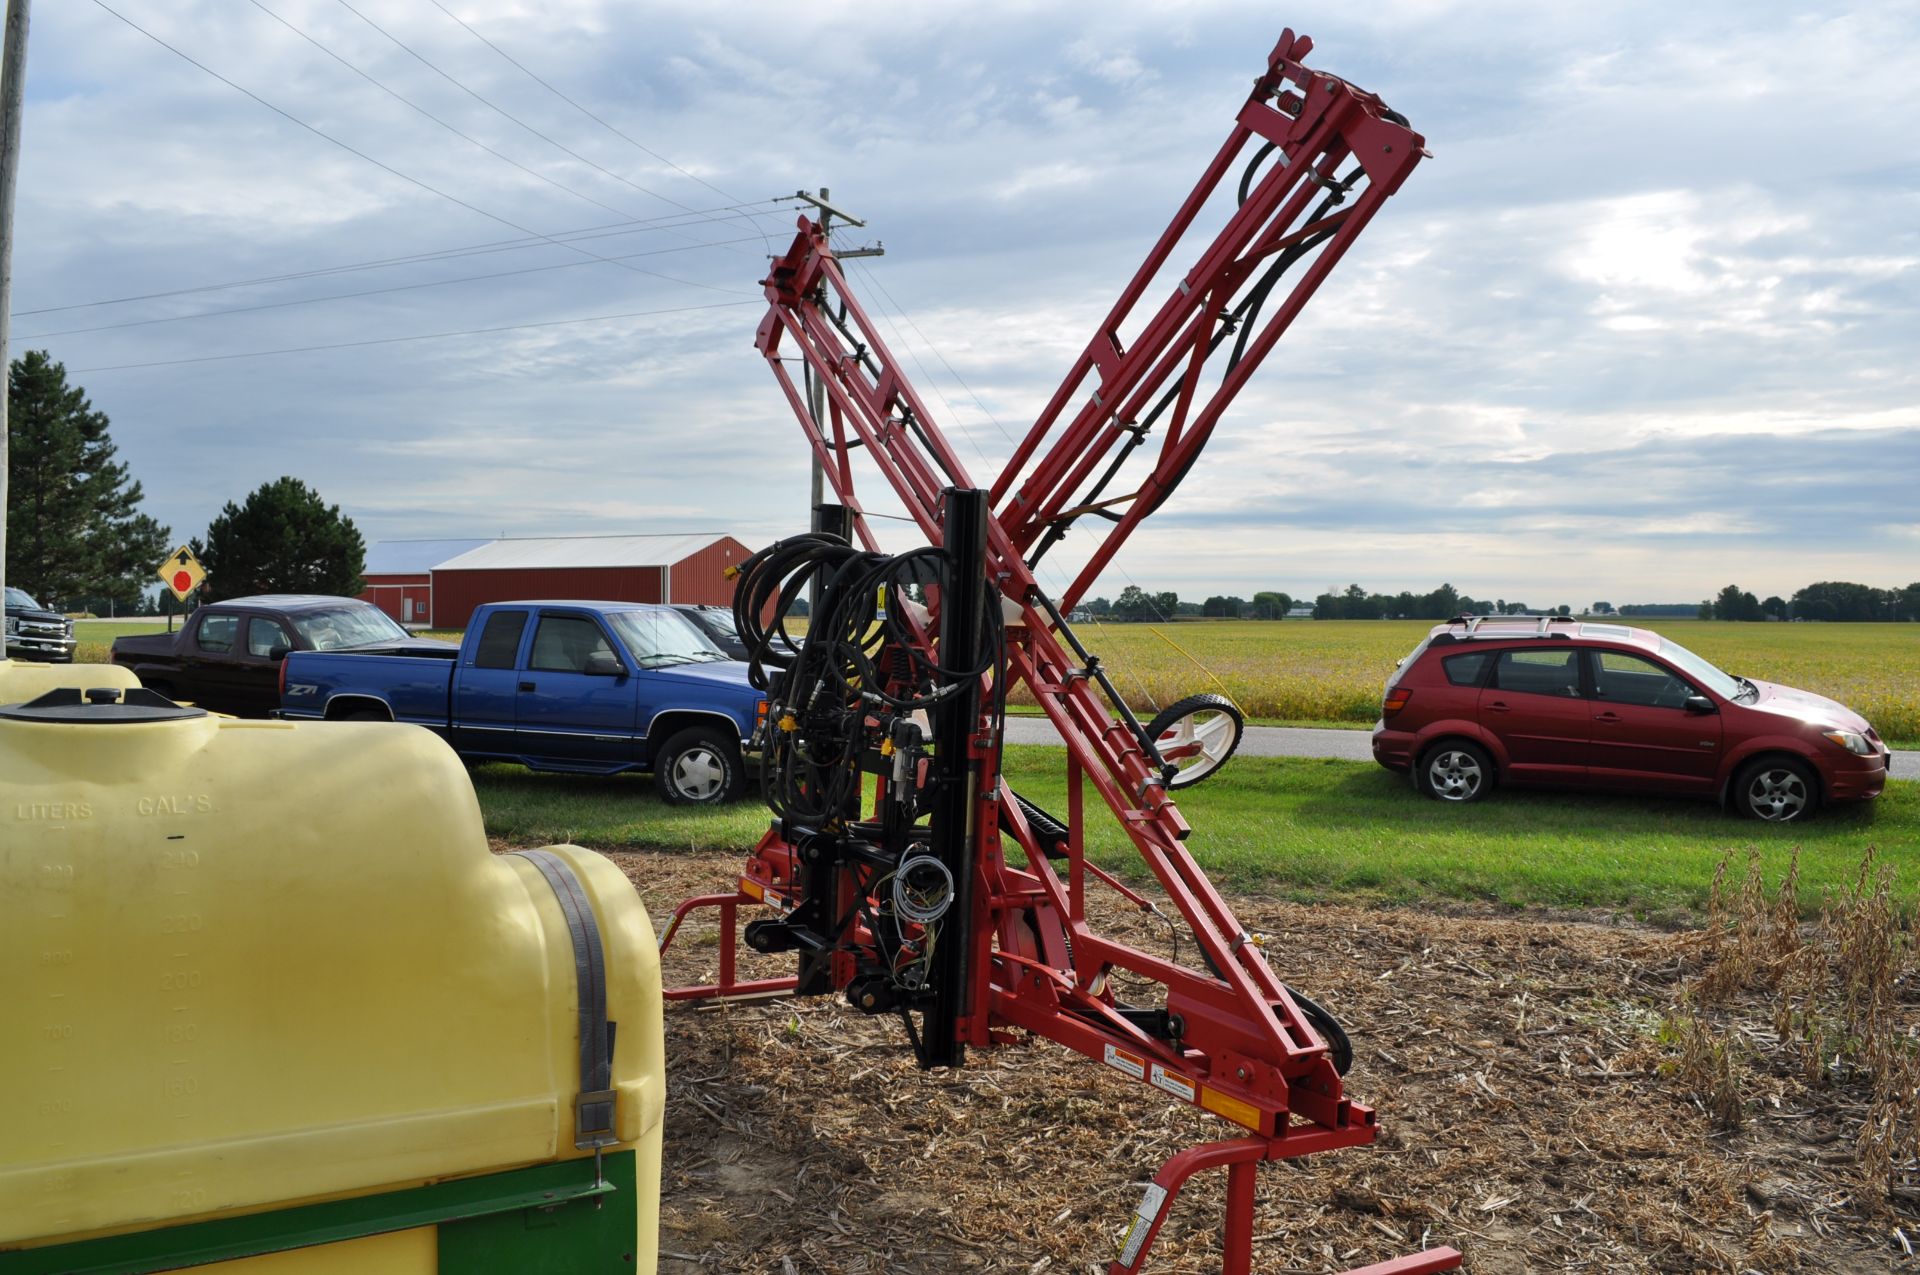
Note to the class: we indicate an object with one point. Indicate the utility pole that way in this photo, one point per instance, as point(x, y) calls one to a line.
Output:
point(818, 405)
point(13, 85)
point(820, 518)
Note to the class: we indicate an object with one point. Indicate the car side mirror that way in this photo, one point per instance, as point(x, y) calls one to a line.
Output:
point(1699, 704)
point(605, 664)
point(278, 653)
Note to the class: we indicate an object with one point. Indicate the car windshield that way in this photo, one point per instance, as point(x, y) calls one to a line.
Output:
point(19, 598)
point(1721, 684)
point(346, 626)
point(660, 638)
point(720, 621)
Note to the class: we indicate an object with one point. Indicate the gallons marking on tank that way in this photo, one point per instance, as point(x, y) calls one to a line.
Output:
point(192, 803)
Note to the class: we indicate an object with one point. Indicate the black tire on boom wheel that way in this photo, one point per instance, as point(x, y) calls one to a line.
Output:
point(1197, 736)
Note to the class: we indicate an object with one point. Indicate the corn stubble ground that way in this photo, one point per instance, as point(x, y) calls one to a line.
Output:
point(1555, 1093)
point(1334, 670)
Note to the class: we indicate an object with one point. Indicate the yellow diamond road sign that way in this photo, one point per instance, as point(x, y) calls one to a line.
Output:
point(182, 572)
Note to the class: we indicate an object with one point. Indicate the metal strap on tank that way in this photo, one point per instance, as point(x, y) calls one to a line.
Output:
point(593, 1106)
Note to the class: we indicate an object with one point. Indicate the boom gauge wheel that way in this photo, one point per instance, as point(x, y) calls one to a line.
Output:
point(1196, 736)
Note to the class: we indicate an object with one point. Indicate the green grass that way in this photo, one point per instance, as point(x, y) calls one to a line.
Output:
point(95, 637)
point(1322, 829)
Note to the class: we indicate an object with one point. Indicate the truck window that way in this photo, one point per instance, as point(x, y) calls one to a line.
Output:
point(264, 634)
point(355, 624)
point(217, 632)
point(500, 640)
point(563, 644)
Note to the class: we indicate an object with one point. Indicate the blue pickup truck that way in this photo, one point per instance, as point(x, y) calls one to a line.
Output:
point(585, 687)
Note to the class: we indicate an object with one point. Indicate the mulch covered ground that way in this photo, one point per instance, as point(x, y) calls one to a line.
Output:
point(1531, 1115)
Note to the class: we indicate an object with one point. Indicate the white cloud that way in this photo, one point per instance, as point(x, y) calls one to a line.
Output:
point(1636, 232)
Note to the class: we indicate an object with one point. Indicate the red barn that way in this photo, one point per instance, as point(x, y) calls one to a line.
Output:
point(399, 575)
point(660, 568)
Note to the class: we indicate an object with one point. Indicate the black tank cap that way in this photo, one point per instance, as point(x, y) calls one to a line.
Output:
point(99, 704)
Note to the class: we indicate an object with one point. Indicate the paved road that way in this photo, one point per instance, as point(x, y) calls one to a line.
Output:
point(1295, 741)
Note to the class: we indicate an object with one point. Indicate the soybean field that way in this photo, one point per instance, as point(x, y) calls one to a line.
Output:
point(1331, 672)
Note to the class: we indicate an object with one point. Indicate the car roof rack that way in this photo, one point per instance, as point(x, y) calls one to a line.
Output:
point(1541, 623)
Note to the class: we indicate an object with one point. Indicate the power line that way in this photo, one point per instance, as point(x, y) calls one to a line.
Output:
point(348, 296)
point(388, 168)
point(503, 112)
point(738, 212)
point(423, 336)
point(631, 141)
point(415, 106)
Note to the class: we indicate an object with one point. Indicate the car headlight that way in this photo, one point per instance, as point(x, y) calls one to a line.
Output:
point(13, 624)
point(1852, 741)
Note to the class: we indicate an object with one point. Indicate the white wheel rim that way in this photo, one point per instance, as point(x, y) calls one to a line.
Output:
point(1198, 744)
point(1454, 775)
point(1777, 795)
point(698, 774)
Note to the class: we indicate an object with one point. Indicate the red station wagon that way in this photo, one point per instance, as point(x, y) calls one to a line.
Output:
point(1552, 701)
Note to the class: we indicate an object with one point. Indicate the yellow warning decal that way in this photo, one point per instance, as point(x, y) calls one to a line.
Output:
point(1243, 1113)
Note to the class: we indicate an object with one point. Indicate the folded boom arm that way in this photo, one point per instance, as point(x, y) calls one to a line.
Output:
point(1011, 947)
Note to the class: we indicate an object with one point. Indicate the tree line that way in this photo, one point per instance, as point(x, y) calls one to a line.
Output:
point(1137, 605)
point(77, 540)
point(1354, 603)
point(1832, 601)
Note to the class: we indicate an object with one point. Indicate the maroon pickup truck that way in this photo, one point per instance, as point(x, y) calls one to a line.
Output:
point(226, 657)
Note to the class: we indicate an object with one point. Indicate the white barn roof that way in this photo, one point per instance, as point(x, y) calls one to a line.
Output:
point(413, 557)
point(582, 551)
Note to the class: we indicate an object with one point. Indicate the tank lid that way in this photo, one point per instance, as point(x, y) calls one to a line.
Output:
point(99, 704)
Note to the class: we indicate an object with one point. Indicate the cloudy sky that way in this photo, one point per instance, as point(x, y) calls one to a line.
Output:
point(1645, 324)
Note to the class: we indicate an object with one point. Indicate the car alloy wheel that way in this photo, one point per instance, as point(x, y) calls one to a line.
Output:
point(1453, 774)
point(1777, 794)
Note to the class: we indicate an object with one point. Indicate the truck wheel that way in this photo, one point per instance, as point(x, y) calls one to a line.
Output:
point(698, 766)
point(364, 715)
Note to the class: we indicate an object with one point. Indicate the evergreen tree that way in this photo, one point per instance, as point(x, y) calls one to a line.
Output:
point(284, 539)
point(74, 529)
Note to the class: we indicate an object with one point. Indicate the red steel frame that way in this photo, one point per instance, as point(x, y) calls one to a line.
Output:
point(1247, 1051)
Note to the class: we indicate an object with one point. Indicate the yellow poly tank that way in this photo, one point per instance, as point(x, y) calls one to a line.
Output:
point(20, 680)
point(269, 993)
